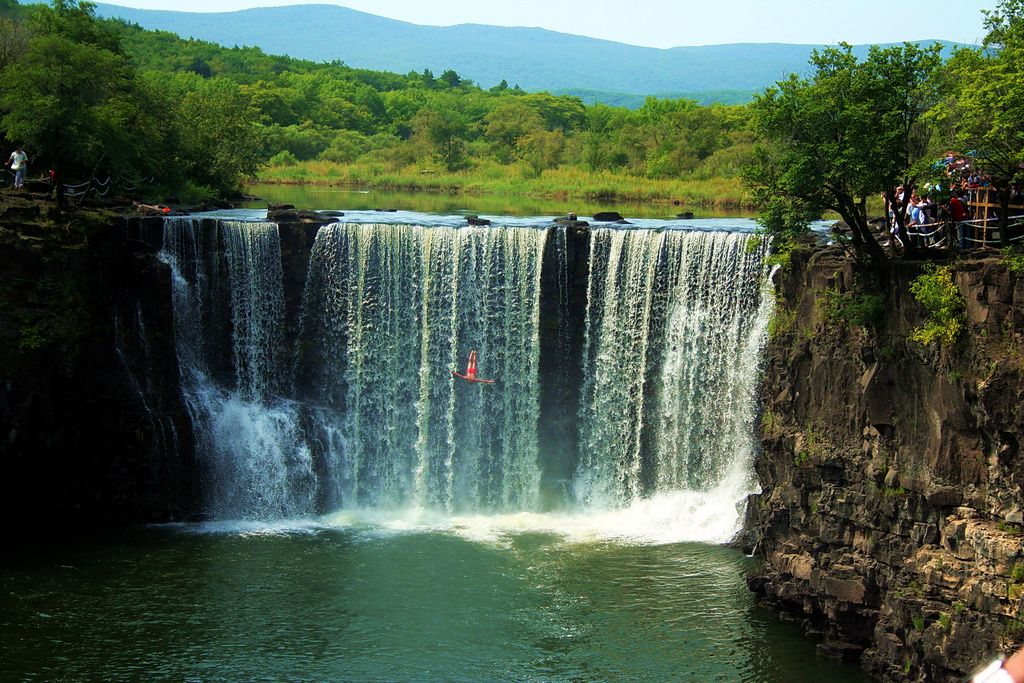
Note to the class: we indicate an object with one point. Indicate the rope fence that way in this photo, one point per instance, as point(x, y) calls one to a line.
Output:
point(101, 188)
point(979, 232)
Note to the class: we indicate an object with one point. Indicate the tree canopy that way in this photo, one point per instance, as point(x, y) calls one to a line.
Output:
point(858, 129)
point(78, 103)
point(983, 109)
point(848, 131)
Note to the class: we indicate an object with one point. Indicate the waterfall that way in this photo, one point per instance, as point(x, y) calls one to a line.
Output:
point(254, 457)
point(388, 312)
point(674, 328)
point(347, 400)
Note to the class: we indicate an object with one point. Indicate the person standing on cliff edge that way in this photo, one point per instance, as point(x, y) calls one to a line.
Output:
point(18, 163)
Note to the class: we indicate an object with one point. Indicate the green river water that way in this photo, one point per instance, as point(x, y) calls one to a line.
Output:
point(340, 602)
point(326, 197)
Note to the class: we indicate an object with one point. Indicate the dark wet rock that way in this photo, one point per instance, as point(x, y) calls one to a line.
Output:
point(685, 215)
point(608, 217)
point(79, 443)
point(386, 210)
point(570, 220)
point(476, 220)
point(286, 213)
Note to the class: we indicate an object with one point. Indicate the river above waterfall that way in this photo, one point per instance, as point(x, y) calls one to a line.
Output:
point(392, 598)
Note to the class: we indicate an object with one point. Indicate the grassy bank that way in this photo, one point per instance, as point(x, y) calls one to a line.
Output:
point(567, 184)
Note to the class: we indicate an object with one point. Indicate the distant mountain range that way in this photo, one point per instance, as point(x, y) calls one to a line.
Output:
point(535, 59)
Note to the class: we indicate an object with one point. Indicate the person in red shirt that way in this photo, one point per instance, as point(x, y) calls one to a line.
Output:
point(958, 214)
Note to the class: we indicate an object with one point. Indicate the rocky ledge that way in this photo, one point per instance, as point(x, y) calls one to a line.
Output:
point(890, 517)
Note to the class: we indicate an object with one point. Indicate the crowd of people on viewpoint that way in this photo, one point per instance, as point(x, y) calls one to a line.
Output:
point(927, 212)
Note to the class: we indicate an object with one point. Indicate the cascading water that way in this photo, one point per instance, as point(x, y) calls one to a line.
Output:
point(674, 328)
point(363, 412)
point(249, 443)
point(388, 311)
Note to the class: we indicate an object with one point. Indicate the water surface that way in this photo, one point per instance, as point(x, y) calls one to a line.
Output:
point(326, 197)
point(336, 601)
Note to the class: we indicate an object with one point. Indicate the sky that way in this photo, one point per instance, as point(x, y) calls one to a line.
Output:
point(671, 23)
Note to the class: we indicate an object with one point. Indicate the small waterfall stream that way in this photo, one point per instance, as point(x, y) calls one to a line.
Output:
point(357, 408)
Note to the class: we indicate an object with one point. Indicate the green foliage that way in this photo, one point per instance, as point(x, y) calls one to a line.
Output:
point(918, 622)
point(782, 322)
point(1009, 528)
point(939, 295)
point(63, 99)
point(82, 108)
point(284, 158)
point(946, 622)
point(33, 336)
point(814, 447)
point(983, 105)
point(850, 130)
point(859, 309)
point(219, 139)
point(1013, 259)
point(782, 250)
point(51, 317)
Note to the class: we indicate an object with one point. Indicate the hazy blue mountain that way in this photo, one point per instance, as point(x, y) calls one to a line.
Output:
point(535, 59)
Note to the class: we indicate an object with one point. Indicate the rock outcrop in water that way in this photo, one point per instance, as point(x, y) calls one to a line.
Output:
point(890, 517)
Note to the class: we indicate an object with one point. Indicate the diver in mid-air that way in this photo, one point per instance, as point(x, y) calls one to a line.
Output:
point(470, 375)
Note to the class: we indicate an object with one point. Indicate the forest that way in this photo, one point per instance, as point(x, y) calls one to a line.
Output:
point(96, 96)
point(90, 96)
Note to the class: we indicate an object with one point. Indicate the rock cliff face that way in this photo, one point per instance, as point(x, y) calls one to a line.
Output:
point(93, 430)
point(890, 513)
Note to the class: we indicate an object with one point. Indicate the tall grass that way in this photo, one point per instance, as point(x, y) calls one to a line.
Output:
point(565, 183)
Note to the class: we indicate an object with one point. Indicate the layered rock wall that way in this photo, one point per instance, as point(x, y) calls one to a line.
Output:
point(891, 511)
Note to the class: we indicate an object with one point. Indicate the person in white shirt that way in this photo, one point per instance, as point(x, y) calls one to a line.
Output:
point(18, 163)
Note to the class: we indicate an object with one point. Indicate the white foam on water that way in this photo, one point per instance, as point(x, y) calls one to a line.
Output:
point(675, 517)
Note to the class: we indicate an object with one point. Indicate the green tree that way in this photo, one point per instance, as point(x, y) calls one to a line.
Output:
point(849, 131)
point(443, 130)
point(220, 140)
point(506, 123)
point(65, 96)
point(542, 149)
point(451, 78)
point(13, 40)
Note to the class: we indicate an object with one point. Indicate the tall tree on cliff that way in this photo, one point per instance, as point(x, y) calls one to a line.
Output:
point(983, 112)
point(850, 131)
